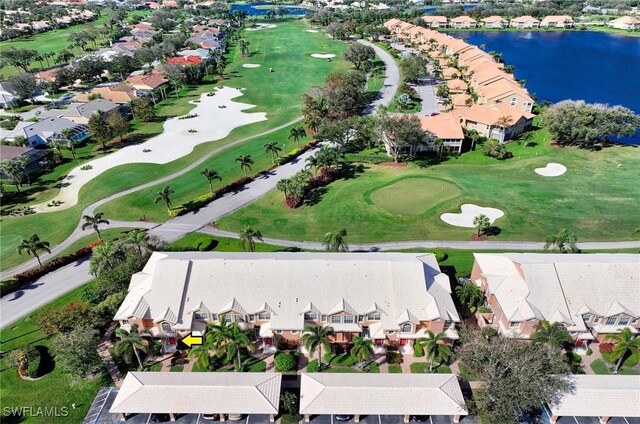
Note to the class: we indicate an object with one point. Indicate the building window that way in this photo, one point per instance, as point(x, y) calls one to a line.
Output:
point(514, 324)
point(227, 317)
point(239, 318)
point(324, 318)
point(406, 328)
point(252, 317)
point(513, 101)
point(263, 317)
point(611, 321)
point(597, 319)
point(633, 321)
point(124, 322)
point(347, 319)
point(310, 317)
point(624, 321)
point(374, 317)
point(336, 319)
point(294, 331)
point(214, 317)
point(390, 332)
point(360, 318)
point(201, 316)
point(587, 317)
point(278, 331)
point(166, 326)
point(447, 324)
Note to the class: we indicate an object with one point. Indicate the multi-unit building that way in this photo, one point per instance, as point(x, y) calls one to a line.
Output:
point(392, 299)
point(499, 121)
point(590, 295)
point(557, 21)
point(435, 21)
point(494, 22)
point(463, 22)
point(524, 22)
point(626, 22)
point(445, 127)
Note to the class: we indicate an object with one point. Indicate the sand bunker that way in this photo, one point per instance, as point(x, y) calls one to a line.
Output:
point(323, 56)
point(258, 27)
point(312, 30)
point(251, 65)
point(217, 116)
point(470, 211)
point(551, 170)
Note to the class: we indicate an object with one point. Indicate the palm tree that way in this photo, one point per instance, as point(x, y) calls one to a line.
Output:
point(433, 349)
point(104, 256)
point(245, 162)
point(244, 46)
point(624, 343)
point(66, 135)
point(210, 175)
point(132, 343)
point(137, 238)
point(56, 145)
point(273, 148)
point(482, 223)
point(229, 340)
point(93, 222)
point(248, 237)
point(312, 162)
point(362, 349)
point(552, 334)
point(470, 295)
point(32, 245)
point(202, 353)
point(165, 195)
point(563, 241)
point(316, 337)
point(335, 242)
point(297, 134)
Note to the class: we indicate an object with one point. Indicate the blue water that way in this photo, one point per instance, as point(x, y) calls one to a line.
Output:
point(251, 10)
point(433, 10)
point(580, 65)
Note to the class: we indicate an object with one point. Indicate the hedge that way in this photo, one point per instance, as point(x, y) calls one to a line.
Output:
point(10, 285)
point(418, 351)
point(285, 362)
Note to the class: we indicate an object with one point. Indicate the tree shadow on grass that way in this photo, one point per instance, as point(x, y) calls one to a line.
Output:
point(492, 231)
point(47, 363)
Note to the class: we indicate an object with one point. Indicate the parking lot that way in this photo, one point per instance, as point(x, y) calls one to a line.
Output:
point(594, 420)
point(390, 419)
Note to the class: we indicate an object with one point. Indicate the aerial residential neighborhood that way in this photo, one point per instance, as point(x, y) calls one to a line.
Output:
point(320, 211)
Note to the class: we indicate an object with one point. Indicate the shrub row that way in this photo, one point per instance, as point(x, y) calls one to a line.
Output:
point(10, 285)
point(205, 199)
point(353, 157)
point(285, 362)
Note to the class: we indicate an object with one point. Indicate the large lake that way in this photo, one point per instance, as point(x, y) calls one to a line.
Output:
point(261, 8)
point(591, 66)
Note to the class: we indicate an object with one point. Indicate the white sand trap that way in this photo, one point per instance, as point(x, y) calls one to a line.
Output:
point(312, 30)
point(258, 27)
point(212, 123)
point(251, 65)
point(551, 170)
point(470, 211)
point(323, 56)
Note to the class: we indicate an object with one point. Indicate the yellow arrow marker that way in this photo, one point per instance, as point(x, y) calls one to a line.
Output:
point(191, 340)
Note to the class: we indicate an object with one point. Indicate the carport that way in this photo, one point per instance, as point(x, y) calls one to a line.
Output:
point(380, 398)
point(599, 399)
point(176, 394)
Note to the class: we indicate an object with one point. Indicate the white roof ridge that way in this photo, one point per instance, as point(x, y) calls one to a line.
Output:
point(446, 389)
point(266, 385)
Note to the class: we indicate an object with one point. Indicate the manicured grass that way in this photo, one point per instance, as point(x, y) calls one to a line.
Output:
point(278, 94)
point(53, 390)
point(156, 367)
point(395, 369)
point(628, 371)
point(176, 368)
point(413, 196)
point(220, 244)
point(422, 367)
point(108, 235)
point(289, 419)
point(257, 366)
point(599, 367)
point(588, 199)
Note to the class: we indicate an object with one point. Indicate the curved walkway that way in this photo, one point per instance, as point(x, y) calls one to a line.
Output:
point(391, 78)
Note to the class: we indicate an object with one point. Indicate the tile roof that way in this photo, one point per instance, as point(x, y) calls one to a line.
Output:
point(445, 126)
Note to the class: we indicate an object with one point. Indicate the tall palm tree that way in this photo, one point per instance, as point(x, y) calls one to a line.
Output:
point(66, 136)
point(203, 354)
point(316, 337)
point(94, 221)
point(248, 237)
point(362, 349)
point(504, 121)
point(433, 349)
point(335, 242)
point(312, 163)
point(297, 133)
point(481, 222)
point(165, 195)
point(32, 245)
point(470, 295)
point(624, 343)
point(132, 343)
point(273, 148)
point(137, 238)
point(229, 340)
point(210, 175)
point(563, 241)
point(104, 256)
point(245, 162)
point(552, 334)
point(244, 47)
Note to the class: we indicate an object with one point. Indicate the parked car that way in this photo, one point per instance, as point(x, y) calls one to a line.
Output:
point(419, 418)
point(435, 114)
point(210, 417)
point(343, 417)
point(235, 417)
point(160, 418)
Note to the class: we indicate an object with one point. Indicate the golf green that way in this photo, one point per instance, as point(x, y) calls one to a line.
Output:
point(413, 196)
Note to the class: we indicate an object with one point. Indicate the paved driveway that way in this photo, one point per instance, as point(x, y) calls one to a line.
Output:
point(427, 93)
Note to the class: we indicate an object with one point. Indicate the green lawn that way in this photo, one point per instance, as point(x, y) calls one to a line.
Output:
point(588, 199)
point(219, 244)
point(53, 390)
point(423, 367)
point(278, 94)
point(176, 368)
point(395, 369)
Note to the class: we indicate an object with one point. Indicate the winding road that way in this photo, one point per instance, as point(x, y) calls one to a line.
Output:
point(20, 303)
